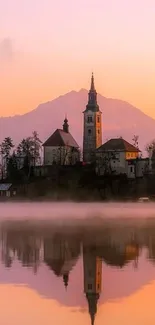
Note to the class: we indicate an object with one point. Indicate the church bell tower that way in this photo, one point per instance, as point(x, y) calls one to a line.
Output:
point(92, 137)
point(92, 279)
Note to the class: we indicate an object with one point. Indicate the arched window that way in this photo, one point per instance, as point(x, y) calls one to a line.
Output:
point(89, 119)
point(89, 131)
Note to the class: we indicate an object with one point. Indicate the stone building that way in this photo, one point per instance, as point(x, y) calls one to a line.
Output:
point(117, 156)
point(61, 148)
point(92, 137)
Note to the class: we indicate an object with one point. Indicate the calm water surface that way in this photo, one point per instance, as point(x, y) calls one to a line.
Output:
point(87, 264)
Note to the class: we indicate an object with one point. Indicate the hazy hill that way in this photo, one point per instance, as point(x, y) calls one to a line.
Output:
point(119, 119)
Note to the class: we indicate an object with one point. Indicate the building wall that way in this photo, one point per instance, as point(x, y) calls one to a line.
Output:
point(131, 155)
point(111, 161)
point(92, 137)
point(119, 164)
point(61, 155)
point(130, 170)
point(138, 168)
point(142, 167)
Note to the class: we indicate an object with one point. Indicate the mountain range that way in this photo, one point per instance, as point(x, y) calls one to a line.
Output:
point(119, 119)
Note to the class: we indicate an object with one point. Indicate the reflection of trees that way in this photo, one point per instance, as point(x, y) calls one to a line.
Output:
point(21, 245)
point(115, 245)
point(114, 256)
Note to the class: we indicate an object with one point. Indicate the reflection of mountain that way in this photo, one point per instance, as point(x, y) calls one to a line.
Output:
point(46, 116)
point(56, 254)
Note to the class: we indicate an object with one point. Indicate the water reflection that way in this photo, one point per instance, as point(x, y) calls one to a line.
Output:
point(60, 250)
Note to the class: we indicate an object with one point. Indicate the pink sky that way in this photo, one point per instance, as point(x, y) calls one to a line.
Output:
point(48, 48)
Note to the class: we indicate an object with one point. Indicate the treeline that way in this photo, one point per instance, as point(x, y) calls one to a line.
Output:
point(16, 161)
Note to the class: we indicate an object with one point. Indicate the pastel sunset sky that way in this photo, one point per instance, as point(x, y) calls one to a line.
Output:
point(48, 48)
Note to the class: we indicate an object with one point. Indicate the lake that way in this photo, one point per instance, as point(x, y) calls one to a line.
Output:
point(67, 263)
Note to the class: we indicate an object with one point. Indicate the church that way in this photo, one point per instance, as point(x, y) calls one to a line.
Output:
point(62, 149)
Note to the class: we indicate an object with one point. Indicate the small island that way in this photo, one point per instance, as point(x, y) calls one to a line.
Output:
point(59, 169)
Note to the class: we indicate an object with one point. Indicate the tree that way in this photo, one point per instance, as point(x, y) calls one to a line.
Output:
point(24, 151)
point(36, 147)
point(28, 151)
point(67, 155)
point(104, 163)
point(5, 149)
point(135, 140)
point(150, 147)
point(12, 168)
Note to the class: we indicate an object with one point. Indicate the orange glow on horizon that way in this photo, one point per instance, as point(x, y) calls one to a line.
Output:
point(27, 307)
point(30, 82)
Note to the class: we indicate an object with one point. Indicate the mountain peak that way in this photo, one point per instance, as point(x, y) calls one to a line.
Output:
point(119, 119)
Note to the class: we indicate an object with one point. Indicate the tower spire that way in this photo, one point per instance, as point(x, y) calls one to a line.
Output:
point(65, 280)
point(66, 125)
point(92, 299)
point(92, 88)
point(92, 97)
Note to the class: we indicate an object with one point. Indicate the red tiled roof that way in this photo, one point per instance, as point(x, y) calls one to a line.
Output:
point(60, 139)
point(118, 144)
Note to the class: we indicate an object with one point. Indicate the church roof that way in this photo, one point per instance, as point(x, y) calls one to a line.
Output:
point(55, 265)
point(60, 138)
point(118, 144)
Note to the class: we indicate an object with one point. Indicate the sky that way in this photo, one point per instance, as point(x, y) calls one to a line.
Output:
point(48, 48)
point(27, 307)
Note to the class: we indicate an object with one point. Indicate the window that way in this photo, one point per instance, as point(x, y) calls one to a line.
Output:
point(131, 169)
point(89, 131)
point(90, 119)
point(98, 119)
point(98, 131)
point(89, 286)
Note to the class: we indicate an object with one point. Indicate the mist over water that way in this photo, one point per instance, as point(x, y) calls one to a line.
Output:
point(75, 211)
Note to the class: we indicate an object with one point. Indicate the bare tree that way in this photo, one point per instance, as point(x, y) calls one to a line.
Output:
point(28, 151)
point(5, 149)
point(104, 163)
point(150, 147)
point(135, 140)
point(68, 155)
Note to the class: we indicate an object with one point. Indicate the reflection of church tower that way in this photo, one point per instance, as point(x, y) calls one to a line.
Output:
point(66, 279)
point(92, 279)
point(92, 137)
